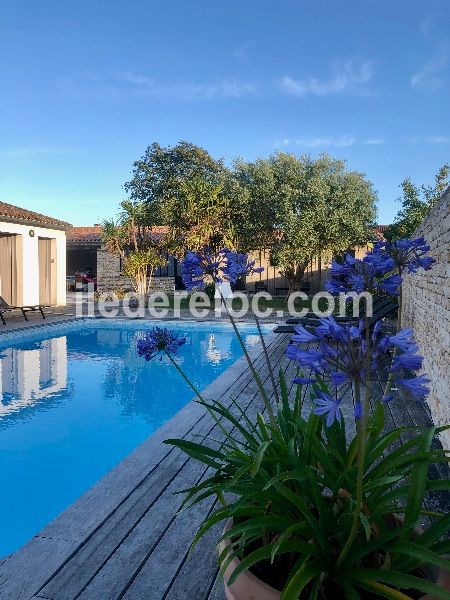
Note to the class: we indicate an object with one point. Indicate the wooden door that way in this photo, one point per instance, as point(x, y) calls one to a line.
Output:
point(45, 271)
point(8, 270)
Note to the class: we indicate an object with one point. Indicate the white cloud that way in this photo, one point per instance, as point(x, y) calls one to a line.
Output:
point(220, 89)
point(425, 25)
point(339, 141)
point(437, 139)
point(430, 76)
point(373, 141)
point(347, 76)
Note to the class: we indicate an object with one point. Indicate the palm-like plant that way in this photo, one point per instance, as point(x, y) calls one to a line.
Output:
point(140, 265)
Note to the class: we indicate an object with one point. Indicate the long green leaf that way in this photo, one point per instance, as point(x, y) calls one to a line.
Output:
point(418, 481)
point(300, 580)
point(198, 451)
point(383, 590)
point(258, 458)
point(400, 580)
point(425, 556)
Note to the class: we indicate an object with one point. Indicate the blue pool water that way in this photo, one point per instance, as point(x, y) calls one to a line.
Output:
point(75, 399)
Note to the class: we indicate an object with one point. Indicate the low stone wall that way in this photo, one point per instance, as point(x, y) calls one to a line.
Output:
point(109, 276)
point(427, 310)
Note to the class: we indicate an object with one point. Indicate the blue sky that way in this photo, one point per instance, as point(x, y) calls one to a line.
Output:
point(87, 85)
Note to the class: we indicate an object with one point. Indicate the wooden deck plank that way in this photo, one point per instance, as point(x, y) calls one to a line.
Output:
point(111, 571)
point(90, 558)
point(170, 554)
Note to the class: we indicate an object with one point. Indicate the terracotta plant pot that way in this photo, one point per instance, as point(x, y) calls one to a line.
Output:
point(248, 587)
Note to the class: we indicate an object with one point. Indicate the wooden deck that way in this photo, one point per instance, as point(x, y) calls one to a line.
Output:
point(125, 537)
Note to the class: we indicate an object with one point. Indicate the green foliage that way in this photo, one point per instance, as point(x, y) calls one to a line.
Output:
point(290, 489)
point(200, 217)
point(417, 203)
point(302, 208)
point(140, 265)
point(186, 189)
point(160, 175)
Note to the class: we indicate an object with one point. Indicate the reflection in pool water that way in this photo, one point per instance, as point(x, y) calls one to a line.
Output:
point(75, 399)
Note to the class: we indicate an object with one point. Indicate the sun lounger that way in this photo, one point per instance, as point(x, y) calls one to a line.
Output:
point(5, 307)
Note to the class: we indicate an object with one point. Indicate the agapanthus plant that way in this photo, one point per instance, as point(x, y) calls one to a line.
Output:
point(198, 267)
point(159, 341)
point(237, 265)
point(226, 265)
point(312, 511)
point(346, 354)
point(406, 255)
point(217, 266)
point(357, 275)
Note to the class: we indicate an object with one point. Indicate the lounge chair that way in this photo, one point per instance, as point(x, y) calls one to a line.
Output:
point(382, 307)
point(378, 304)
point(5, 307)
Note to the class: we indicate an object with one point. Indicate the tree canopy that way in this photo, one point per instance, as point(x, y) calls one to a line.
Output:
point(417, 203)
point(183, 187)
point(303, 208)
point(298, 208)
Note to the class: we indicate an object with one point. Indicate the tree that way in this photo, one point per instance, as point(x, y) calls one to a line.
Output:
point(140, 265)
point(417, 203)
point(131, 238)
point(301, 208)
point(160, 176)
point(185, 189)
point(202, 217)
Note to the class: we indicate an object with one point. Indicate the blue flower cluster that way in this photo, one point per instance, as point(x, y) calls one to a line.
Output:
point(358, 275)
point(238, 264)
point(380, 269)
point(160, 340)
point(196, 267)
point(342, 354)
point(224, 265)
point(406, 255)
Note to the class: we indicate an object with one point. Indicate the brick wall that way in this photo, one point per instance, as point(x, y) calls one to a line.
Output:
point(109, 276)
point(427, 310)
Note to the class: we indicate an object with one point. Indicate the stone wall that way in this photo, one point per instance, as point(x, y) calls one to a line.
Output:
point(109, 276)
point(427, 310)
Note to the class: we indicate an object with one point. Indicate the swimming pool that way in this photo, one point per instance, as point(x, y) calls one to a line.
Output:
point(75, 399)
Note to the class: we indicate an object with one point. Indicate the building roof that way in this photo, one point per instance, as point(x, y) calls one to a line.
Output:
point(92, 236)
point(84, 235)
point(15, 214)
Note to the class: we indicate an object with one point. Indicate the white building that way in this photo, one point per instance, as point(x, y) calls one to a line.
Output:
point(32, 257)
point(31, 375)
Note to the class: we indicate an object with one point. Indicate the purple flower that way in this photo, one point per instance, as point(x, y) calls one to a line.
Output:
point(313, 359)
point(238, 264)
point(304, 380)
point(390, 284)
point(408, 360)
point(403, 340)
point(417, 386)
point(198, 266)
point(356, 275)
point(159, 340)
point(326, 405)
point(357, 410)
point(342, 354)
point(405, 254)
point(302, 335)
point(225, 264)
